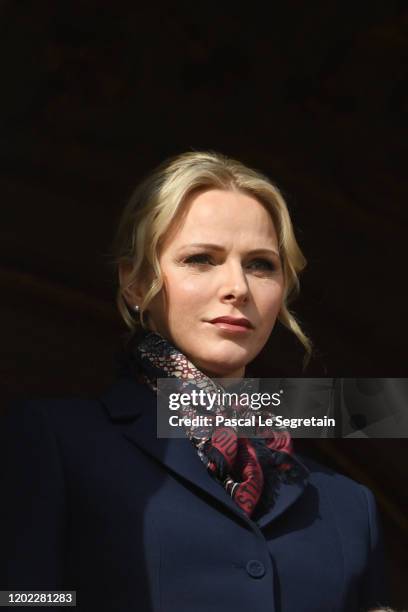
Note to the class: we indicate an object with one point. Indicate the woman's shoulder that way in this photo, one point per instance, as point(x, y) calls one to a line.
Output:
point(55, 413)
point(62, 412)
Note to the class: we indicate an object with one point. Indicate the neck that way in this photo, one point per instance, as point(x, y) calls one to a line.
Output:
point(229, 382)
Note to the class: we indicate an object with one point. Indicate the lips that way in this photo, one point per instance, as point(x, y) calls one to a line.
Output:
point(233, 321)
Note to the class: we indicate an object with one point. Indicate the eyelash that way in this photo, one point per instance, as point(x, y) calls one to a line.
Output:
point(268, 265)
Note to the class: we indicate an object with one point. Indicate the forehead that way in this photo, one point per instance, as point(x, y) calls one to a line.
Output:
point(223, 215)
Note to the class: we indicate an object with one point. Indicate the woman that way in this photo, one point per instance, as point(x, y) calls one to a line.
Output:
point(96, 502)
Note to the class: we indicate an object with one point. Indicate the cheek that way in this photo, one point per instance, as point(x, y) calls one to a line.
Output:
point(186, 293)
point(270, 300)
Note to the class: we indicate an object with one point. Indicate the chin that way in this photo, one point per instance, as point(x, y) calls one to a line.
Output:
point(221, 367)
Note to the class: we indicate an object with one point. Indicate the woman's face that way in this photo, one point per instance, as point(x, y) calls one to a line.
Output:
point(222, 261)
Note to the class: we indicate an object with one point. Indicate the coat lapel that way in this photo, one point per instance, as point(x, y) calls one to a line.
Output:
point(133, 406)
point(286, 495)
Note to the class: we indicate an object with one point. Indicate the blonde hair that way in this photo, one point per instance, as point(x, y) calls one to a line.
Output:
point(158, 201)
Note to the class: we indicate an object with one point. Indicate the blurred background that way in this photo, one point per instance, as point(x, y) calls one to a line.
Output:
point(314, 94)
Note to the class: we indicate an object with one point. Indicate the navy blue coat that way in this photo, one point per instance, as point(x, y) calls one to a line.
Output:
point(92, 501)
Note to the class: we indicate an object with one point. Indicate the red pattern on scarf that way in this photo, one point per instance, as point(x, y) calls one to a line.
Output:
point(242, 461)
point(245, 481)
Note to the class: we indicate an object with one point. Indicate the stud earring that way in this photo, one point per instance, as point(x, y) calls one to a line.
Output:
point(136, 308)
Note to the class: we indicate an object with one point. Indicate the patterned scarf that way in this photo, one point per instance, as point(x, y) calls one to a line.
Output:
point(250, 469)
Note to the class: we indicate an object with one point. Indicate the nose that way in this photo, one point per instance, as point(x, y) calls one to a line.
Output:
point(233, 285)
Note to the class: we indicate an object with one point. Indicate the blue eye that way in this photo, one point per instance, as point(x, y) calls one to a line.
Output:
point(200, 258)
point(263, 264)
point(260, 264)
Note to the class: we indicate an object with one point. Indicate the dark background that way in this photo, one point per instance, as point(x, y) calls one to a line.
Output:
point(315, 94)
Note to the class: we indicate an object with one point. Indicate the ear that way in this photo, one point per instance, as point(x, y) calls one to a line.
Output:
point(132, 293)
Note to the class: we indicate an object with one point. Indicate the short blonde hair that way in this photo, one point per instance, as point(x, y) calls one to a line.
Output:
point(158, 201)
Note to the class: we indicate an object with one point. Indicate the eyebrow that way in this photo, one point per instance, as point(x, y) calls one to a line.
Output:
point(218, 247)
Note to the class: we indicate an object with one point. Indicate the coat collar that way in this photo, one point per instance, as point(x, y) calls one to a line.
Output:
point(133, 406)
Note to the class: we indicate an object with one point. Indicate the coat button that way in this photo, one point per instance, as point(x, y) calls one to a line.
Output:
point(255, 568)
